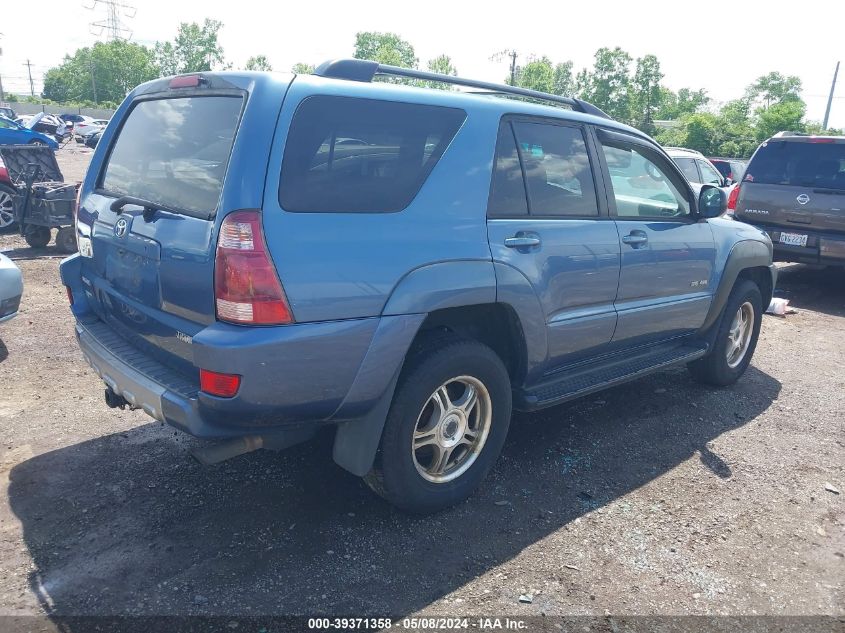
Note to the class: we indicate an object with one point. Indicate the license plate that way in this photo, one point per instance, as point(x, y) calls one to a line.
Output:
point(793, 239)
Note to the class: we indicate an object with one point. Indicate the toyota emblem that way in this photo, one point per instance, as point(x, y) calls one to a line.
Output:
point(120, 227)
point(803, 198)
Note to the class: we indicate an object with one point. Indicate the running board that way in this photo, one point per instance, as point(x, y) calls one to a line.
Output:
point(587, 379)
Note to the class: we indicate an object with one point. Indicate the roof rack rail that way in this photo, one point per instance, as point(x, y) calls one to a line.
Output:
point(364, 70)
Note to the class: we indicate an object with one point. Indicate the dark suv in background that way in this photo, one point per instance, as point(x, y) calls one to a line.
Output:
point(732, 169)
point(794, 189)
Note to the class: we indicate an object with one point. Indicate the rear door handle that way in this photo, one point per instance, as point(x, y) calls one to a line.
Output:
point(521, 240)
point(636, 238)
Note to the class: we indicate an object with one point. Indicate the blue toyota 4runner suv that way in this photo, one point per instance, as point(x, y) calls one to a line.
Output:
point(263, 254)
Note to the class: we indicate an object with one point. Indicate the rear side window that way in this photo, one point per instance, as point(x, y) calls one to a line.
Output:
point(557, 169)
point(799, 164)
point(507, 192)
point(345, 154)
point(174, 152)
point(551, 163)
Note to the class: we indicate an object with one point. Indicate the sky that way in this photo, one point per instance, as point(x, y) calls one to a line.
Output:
point(719, 46)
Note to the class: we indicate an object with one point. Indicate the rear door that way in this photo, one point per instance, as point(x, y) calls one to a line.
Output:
point(796, 185)
point(545, 220)
point(666, 279)
point(150, 218)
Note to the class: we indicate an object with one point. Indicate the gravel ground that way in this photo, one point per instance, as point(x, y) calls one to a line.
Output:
point(659, 497)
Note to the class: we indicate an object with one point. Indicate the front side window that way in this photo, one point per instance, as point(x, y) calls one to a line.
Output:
point(345, 154)
point(709, 175)
point(642, 185)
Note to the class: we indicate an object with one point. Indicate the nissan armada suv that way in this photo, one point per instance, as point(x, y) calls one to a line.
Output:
point(794, 189)
point(261, 255)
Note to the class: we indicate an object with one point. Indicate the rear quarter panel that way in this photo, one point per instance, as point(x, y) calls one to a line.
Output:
point(347, 265)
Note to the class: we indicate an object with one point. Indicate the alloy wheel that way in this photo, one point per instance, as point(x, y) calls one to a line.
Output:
point(451, 429)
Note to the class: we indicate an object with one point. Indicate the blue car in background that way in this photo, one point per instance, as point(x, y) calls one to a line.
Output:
point(12, 133)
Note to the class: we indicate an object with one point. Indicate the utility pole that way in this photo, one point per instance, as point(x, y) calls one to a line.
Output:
point(2, 94)
point(513, 67)
point(28, 65)
point(92, 67)
point(513, 55)
point(830, 98)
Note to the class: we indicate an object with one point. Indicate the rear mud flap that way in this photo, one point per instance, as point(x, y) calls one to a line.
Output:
point(356, 442)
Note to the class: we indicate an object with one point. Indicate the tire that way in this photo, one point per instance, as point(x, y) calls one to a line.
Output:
point(7, 210)
point(411, 478)
point(732, 347)
point(37, 236)
point(66, 239)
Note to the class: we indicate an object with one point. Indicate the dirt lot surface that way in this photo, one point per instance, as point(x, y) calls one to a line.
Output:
point(659, 497)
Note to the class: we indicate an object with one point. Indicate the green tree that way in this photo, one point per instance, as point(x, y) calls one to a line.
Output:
point(111, 69)
point(258, 62)
point(442, 64)
point(195, 49)
point(737, 129)
point(563, 83)
point(537, 74)
point(702, 132)
point(385, 48)
point(302, 69)
point(676, 105)
point(774, 88)
point(784, 116)
point(608, 85)
point(646, 92)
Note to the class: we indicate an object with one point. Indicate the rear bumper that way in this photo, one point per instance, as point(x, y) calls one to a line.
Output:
point(154, 397)
point(822, 247)
point(304, 375)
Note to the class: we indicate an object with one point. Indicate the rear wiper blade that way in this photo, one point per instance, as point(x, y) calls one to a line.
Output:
point(840, 192)
point(149, 207)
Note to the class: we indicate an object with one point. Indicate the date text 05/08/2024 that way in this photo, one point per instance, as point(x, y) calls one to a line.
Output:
point(492, 623)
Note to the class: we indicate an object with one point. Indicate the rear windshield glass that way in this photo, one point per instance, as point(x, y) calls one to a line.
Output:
point(800, 164)
point(174, 152)
point(345, 154)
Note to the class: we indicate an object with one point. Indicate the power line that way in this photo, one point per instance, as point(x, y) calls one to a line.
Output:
point(112, 24)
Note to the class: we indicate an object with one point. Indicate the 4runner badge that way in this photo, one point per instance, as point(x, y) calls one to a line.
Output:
point(803, 198)
point(184, 337)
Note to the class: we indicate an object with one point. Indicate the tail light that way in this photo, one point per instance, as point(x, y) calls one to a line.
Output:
point(246, 287)
point(732, 198)
point(217, 384)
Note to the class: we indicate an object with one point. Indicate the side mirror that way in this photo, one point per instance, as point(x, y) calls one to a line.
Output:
point(712, 202)
point(728, 182)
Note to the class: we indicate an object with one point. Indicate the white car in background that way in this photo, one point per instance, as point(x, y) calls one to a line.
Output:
point(11, 288)
point(697, 169)
point(84, 129)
